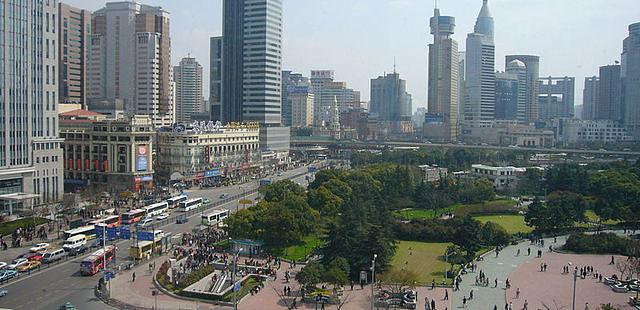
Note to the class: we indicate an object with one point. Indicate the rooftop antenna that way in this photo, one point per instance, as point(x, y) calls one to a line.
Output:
point(394, 63)
point(436, 4)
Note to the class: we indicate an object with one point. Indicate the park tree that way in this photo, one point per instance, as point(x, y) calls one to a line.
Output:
point(310, 274)
point(561, 210)
point(531, 183)
point(280, 190)
point(324, 201)
point(397, 280)
point(467, 236)
point(337, 272)
point(494, 234)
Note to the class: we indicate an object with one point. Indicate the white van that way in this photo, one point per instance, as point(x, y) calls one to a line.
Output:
point(146, 222)
point(74, 242)
point(54, 255)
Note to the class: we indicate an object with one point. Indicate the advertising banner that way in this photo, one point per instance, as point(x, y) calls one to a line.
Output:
point(142, 158)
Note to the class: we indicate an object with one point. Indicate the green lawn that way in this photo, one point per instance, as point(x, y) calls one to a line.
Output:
point(594, 218)
point(511, 223)
point(493, 207)
point(7, 228)
point(425, 259)
point(301, 251)
point(411, 214)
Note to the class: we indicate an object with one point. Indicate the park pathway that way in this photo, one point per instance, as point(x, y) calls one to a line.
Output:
point(484, 298)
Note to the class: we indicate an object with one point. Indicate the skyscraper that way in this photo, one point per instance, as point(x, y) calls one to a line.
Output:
point(130, 60)
point(188, 79)
point(630, 74)
point(532, 87)
point(30, 151)
point(252, 59)
point(519, 69)
point(609, 105)
point(215, 77)
point(296, 94)
point(556, 99)
point(590, 97)
point(74, 29)
point(507, 91)
point(442, 88)
point(389, 98)
point(480, 76)
point(325, 90)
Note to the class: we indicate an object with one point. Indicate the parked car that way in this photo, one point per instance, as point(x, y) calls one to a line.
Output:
point(3, 264)
point(3, 292)
point(162, 216)
point(7, 274)
point(39, 247)
point(31, 265)
point(34, 256)
point(145, 223)
point(52, 256)
point(17, 263)
point(206, 201)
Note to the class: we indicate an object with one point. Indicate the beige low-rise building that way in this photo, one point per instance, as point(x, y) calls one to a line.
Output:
point(204, 152)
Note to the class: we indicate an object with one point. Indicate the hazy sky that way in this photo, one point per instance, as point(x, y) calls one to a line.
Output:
point(359, 38)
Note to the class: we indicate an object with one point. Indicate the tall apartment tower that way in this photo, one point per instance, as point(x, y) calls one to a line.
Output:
point(461, 84)
point(532, 87)
point(31, 171)
point(74, 26)
point(590, 97)
point(556, 99)
point(443, 83)
point(609, 105)
point(188, 78)
point(630, 74)
point(130, 60)
point(480, 76)
point(215, 78)
point(507, 91)
point(519, 69)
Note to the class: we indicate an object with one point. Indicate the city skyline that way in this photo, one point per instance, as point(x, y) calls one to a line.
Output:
point(305, 47)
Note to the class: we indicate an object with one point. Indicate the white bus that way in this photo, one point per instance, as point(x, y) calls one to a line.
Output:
point(89, 231)
point(190, 204)
point(173, 201)
point(215, 218)
point(156, 209)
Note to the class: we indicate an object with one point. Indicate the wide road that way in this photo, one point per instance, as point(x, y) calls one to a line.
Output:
point(52, 287)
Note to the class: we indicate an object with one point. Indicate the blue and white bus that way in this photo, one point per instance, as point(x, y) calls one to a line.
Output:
point(215, 218)
point(190, 204)
point(156, 209)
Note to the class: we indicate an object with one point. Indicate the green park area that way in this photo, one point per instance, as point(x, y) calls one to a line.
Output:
point(299, 252)
point(423, 258)
point(488, 207)
point(512, 223)
point(594, 218)
point(7, 228)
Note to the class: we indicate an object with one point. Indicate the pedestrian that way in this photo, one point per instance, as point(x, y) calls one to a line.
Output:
point(426, 304)
point(446, 294)
point(352, 285)
point(586, 306)
point(526, 305)
point(517, 293)
point(496, 283)
point(471, 295)
point(464, 302)
point(612, 260)
point(133, 277)
point(528, 251)
point(433, 284)
point(518, 254)
point(433, 304)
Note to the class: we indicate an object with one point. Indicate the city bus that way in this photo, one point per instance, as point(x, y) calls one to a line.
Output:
point(190, 204)
point(133, 216)
point(173, 201)
point(110, 221)
point(143, 249)
point(93, 263)
point(157, 209)
point(89, 231)
point(215, 218)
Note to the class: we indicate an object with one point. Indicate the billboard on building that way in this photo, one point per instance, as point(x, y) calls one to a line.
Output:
point(142, 158)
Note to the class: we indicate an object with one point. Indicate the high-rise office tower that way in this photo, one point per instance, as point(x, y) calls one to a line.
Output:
point(129, 60)
point(74, 26)
point(609, 105)
point(507, 91)
point(519, 69)
point(251, 62)
point(480, 79)
point(532, 65)
point(630, 75)
point(215, 77)
point(188, 78)
point(297, 99)
point(390, 101)
point(325, 89)
point(556, 99)
point(590, 97)
point(30, 151)
point(461, 84)
point(442, 88)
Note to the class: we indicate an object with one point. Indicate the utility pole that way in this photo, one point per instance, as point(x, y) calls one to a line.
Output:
point(575, 279)
point(233, 282)
point(373, 280)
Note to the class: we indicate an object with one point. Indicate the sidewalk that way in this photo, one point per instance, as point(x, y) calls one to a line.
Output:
point(139, 293)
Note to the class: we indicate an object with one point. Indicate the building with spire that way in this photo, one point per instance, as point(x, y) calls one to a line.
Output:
point(443, 82)
point(480, 79)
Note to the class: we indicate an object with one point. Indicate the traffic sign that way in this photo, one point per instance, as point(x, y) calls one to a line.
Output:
point(145, 235)
point(236, 287)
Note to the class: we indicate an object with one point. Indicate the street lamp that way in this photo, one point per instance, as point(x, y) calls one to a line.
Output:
point(575, 279)
point(373, 279)
point(233, 282)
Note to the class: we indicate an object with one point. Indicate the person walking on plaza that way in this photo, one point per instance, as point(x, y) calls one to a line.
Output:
point(446, 295)
point(586, 306)
point(471, 295)
point(433, 304)
point(526, 305)
point(133, 277)
point(517, 293)
point(464, 302)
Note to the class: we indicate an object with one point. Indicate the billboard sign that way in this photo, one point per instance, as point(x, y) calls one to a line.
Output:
point(142, 157)
point(145, 235)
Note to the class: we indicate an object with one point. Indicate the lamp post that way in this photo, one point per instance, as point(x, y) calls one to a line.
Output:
point(233, 282)
point(373, 280)
point(575, 279)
